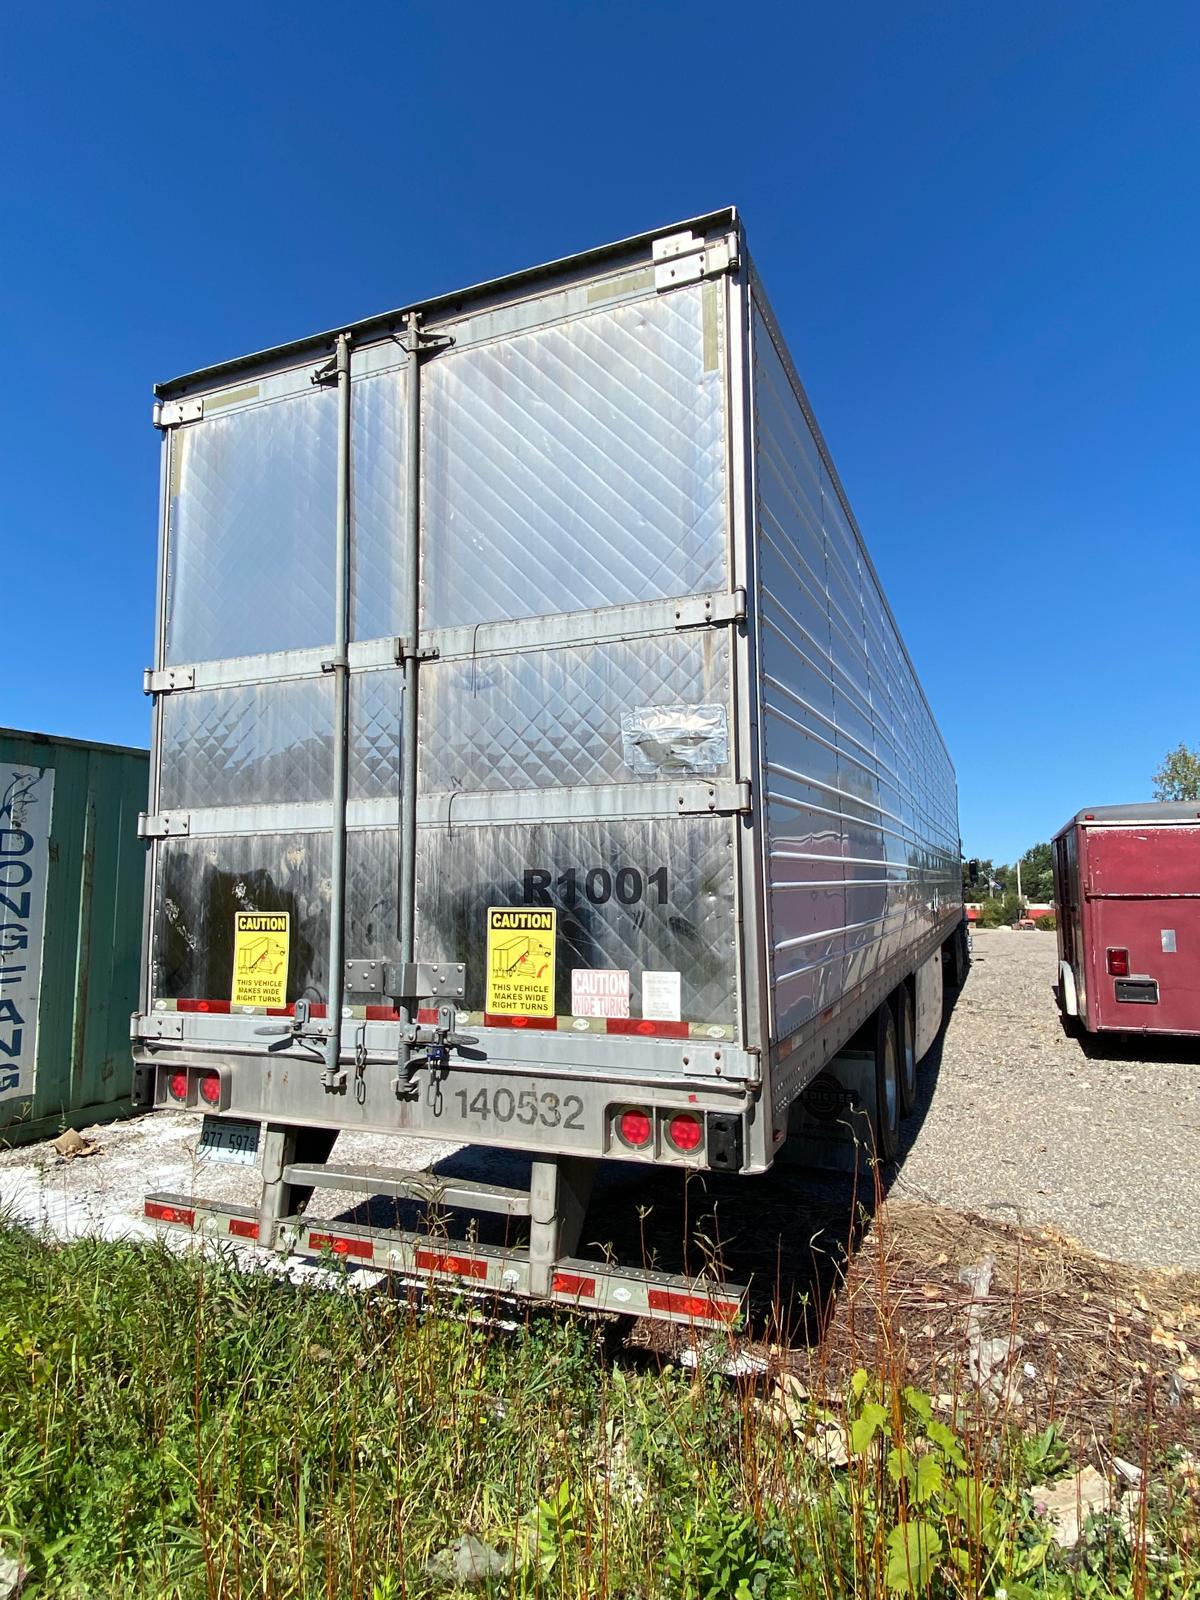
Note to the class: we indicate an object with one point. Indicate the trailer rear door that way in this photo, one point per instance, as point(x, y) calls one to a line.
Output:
point(577, 741)
point(1143, 890)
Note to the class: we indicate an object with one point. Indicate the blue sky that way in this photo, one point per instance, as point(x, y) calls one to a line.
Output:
point(977, 224)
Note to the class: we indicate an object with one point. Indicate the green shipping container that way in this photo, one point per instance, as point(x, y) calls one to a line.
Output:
point(72, 871)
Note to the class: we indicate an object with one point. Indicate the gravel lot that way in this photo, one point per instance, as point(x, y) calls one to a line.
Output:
point(1019, 1122)
point(1016, 1122)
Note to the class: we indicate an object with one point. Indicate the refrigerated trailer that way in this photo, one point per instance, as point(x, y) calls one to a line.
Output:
point(536, 764)
point(1127, 897)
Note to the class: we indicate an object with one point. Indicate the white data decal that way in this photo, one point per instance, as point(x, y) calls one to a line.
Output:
point(26, 801)
point(662, 996)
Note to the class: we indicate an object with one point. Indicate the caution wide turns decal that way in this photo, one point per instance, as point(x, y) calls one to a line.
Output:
point(520, 961)
point(260, 957)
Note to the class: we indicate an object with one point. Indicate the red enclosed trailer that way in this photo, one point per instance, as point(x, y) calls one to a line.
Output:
point(1127, 894)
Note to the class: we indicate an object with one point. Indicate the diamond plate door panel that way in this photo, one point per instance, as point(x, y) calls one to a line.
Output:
point(372, 895)
point(578, 466)
point(249, 744)
point(677, 877)
point(379, 537)
point(547, 718)
point(375, 700)
point(252, 516)
point(251, 531)
point(202, 883)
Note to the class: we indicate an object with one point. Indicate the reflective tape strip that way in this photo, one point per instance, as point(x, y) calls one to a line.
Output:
point(679, 1304)
point(158, 1211)
point(243, 1228)
point(575, 1285)
point(532, 1024)
point(642, 1027)
point(339, 1245)
point(459, 1266)
point(648, 1028)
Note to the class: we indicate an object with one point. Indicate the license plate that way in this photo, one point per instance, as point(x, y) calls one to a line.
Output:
point(223, 1139)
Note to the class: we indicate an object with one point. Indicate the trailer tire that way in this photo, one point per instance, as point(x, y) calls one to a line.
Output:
point(885, 1124)
point(906, 1047)
point(959, 959)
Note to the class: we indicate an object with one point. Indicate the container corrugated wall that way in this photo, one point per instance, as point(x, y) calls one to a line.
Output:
point(71, 886)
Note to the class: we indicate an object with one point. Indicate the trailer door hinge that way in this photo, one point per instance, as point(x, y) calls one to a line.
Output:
point(423, 341)
point(686, 258)
point(699, 610)
point(164, 825)
point(168, 678)
point(156, 1025)
point(725, 798)
point(170, 413)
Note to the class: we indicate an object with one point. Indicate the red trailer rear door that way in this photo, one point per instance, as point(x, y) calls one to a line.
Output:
point(1143, 891)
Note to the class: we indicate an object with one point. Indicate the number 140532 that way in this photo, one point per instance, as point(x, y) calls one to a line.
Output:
point(544, 1108)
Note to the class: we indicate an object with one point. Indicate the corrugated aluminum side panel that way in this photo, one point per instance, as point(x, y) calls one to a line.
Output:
point(859, 794)
point(73, 1062)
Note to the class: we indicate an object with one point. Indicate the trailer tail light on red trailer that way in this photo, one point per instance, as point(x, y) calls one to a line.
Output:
point(1117, 961)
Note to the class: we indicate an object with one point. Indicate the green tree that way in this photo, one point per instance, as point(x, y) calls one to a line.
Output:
point(1037, 874)
point(1000, 912)
point(1179, 776)
point(977, 891)
point(989, 874)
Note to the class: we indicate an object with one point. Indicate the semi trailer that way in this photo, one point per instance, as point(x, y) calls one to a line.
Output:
point(1127, 898)
point(536, 764)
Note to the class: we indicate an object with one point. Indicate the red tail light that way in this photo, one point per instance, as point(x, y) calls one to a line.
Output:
point(685, 1132)
point(177, 1086)
point(210, 1088)
point(1118, 963)
point(635, 1128)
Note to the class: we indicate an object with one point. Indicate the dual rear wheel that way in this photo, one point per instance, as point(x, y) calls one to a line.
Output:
point(892, 1033)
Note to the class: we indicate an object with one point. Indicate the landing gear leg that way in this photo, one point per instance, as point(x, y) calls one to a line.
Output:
point(559, 1190)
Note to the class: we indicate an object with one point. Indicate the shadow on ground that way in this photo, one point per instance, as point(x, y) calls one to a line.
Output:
point(1164, 1049)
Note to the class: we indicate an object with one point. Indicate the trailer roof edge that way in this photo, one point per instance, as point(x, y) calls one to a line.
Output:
point(1163, 811)
point(384, 322)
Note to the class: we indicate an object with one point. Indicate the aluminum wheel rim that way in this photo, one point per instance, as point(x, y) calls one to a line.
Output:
point(910, 1050)
point(891, 1080)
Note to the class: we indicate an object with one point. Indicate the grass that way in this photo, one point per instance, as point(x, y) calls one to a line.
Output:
point(172, 1426)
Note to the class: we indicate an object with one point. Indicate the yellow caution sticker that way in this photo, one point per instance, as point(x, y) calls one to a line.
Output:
point(260, 957)
point(520, 961)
